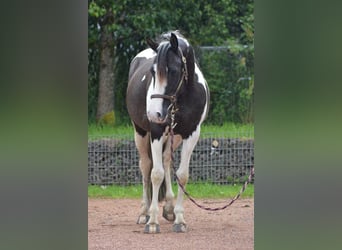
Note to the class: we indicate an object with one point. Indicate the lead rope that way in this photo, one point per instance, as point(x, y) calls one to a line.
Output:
point(251, 174)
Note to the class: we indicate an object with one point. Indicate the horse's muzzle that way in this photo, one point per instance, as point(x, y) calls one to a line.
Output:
point(157, 118)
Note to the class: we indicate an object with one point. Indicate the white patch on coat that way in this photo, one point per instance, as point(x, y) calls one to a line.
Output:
point(203, 82)
point(143, 78)
point(154, 105)
point(147, 53)
point(183, 172)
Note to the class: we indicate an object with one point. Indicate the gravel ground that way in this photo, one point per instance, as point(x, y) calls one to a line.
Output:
point(112, 225)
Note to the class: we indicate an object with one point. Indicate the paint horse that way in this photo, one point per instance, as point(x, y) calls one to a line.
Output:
point(165, 81)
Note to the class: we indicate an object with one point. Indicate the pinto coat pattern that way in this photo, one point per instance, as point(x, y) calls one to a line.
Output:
point(162, 77)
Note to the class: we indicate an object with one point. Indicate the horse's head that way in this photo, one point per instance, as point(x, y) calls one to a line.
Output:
point(173, 66)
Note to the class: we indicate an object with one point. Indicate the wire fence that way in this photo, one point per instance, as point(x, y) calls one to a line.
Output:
point(220, 158)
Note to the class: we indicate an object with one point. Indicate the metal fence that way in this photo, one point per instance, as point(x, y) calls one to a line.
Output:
point(219, 158)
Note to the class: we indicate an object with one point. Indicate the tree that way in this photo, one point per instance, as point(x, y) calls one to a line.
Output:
point(118, 31)
point(105, 107)
point(105, 101)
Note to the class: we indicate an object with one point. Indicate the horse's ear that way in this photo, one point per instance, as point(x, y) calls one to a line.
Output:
point(153, 45)
point(174, 42)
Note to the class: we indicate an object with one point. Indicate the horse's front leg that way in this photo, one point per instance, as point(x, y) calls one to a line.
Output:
point(157, 177)
point(183, 176)
point(168, 209)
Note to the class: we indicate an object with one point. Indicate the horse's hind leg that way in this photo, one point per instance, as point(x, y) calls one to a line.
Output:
point(183, 175)
point(145, 164)
point(168, 209)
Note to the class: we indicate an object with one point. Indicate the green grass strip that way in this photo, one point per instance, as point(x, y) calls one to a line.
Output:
point(196, 190)
point(229, 129)
point(95, 131)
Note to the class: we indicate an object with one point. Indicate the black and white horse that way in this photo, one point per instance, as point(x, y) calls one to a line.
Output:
point(165, 78)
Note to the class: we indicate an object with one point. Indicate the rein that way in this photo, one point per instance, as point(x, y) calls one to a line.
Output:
point(251, 174)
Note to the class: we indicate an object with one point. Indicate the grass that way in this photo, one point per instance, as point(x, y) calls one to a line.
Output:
point(115, 191)
point(95, 130)
point(237, 130)
point(232, 129)
point(196, 190)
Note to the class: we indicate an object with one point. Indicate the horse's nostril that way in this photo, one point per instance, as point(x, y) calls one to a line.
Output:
point(158, 114)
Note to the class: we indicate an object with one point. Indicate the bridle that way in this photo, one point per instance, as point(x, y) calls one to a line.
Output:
point(172, 109)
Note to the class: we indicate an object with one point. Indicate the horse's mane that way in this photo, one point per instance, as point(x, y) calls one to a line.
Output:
point(167, 35)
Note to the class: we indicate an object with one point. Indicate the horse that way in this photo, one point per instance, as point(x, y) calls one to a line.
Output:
point(165, 85)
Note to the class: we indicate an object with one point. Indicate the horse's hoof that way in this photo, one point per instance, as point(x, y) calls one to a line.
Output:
point(143, 219)
point(152, 228)
point(169, 216)
point(179, 228)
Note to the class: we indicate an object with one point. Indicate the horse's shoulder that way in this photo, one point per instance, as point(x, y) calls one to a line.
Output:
point(141, 61)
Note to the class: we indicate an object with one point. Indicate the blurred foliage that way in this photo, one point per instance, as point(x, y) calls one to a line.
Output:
point(228, 23)
point(231, 81)
point(108, 118)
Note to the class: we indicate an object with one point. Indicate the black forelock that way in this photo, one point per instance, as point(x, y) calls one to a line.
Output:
point(161, 60)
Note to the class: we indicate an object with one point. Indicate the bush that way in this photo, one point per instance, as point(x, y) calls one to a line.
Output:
point(229, 73)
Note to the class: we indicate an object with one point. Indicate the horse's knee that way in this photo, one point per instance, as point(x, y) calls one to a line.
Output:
point(145, 164)
point(167, 158)
point(183, 176)
point(157, 175)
